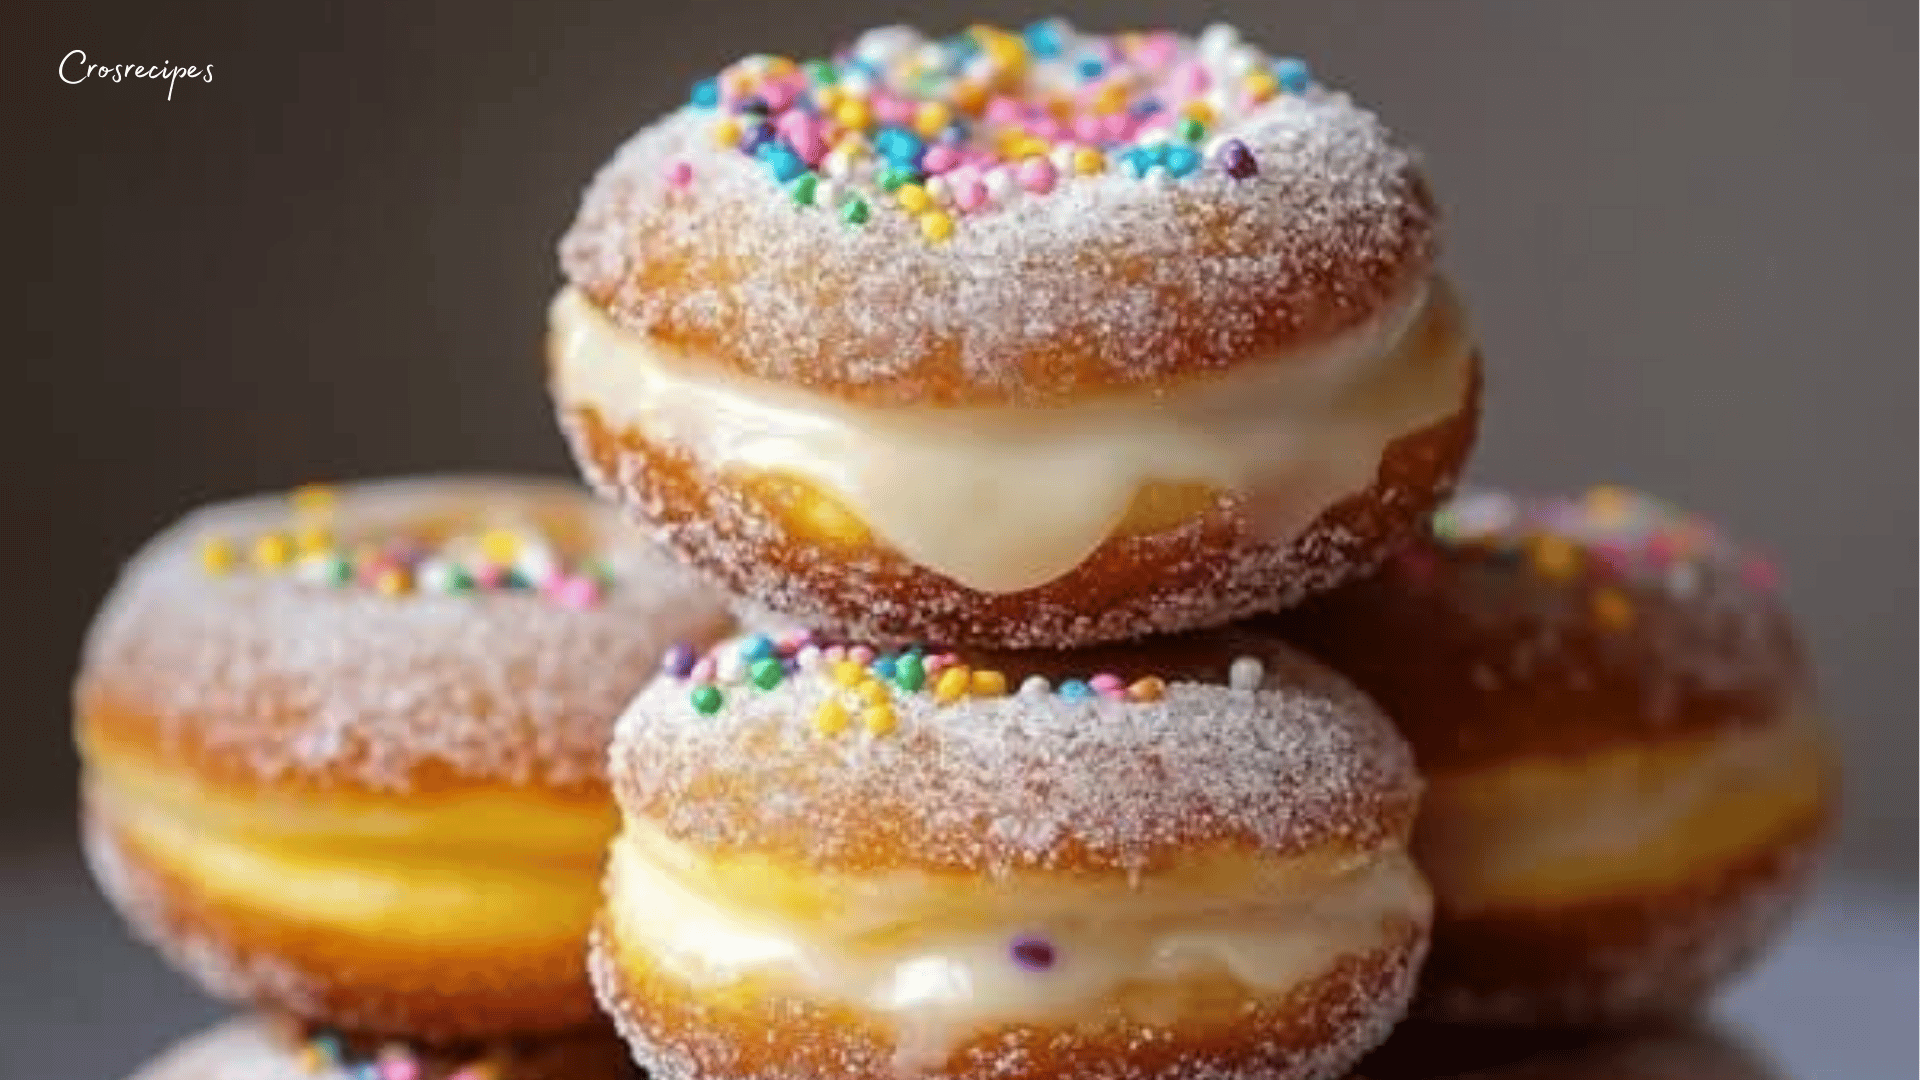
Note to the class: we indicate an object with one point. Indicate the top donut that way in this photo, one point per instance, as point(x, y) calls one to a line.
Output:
point(1004, 217)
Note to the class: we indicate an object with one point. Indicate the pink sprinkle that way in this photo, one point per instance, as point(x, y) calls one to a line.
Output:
point(1003, 110)
point(1037, 175)
point(1158, 50)
point(777, 93)
point(1086, 128)
point(1119, 694)
point(860, 654)
point(889, 109)
point(680, 174)
point(399, 1068)
point(1192, 79)
point(810, 145)
point(969, 193)
point(1760, 573)
point(1106, 682)
point(1049, 129)
point(579, 593)
point(1116, 127)
point(940, 159)
point(489, 575)
point(703, 670)
point(833, 654)
point(937, 663)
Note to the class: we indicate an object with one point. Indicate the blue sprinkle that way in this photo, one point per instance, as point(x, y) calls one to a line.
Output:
point(1292, 75)
point(366, 1070)
point(756, 139)
point(783, 163)
point(706, 93)
point(757, 647)
point(1145, 107)
point(328, 1046)
point(882, 667)
point(1043, 38)
point(1074, 690)
point(898, 145)
point(1181, 160)
point(953, 134)
point(1138, 160)
point(961, 46)
point(1090, 67)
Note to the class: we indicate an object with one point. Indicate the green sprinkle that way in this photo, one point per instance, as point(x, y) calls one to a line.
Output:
point(458, 580)
point(706, 699)
point(855, 212)
point(599, 571)
point(909, 672)
point(821, 72)
point(766, 673)
point(803, 188)
point(339, 571)
point(1192, 130)
point(893, 176)
point(515, 580)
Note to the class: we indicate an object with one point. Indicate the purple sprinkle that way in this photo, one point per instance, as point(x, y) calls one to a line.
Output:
point(1032, 953)
point(755, 137)
point(1237, 160)
point(678, 661)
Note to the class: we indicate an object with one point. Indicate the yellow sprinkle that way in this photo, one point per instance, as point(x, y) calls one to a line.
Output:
point(873, 692)
point(312, 499)
point(952, 684)
point(931, 119)
point(272, 551)
point(726, 132)
point(312, 540)
point(311, 1059)
point(936, 225)
point(1261, 86)
point(500, 545)
point(1027, 146)
point(969, 97)
point(1150, 688)
point(1612, 609)
point(1007, 51)
point(1554, 557)
point(738, 83)
point(853, 146)
point(879, 719)
point(1087, 161)
point(849, 673)
point(216, 555)
point(830, 718)
point(393, 582)
point(780, 65)
point(826, 97)
point(1199, 110)
point(988, 684)
point(913, 198)
point(1110, 99)
point(853, 114)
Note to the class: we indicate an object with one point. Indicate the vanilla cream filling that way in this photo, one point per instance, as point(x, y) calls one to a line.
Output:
point(1607, 824)
point(1007, 498)
point(931, 955)
point(476, 870)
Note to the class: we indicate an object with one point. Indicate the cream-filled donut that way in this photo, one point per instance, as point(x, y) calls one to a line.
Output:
point(1103, 406)
point(344, 754)
point(1139, 861)
point(1629, 776)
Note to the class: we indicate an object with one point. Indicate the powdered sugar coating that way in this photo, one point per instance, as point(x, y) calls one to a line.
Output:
point(1115, 280)
point(277, 680)
point(260, 1048)
point(999, 784)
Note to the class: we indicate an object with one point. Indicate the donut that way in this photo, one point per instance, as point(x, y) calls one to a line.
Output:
point(256, 1048)
point(1420, 1051)
point(1628, 776)
point(344, 753)
point(1015, 340)
point(1171, 859)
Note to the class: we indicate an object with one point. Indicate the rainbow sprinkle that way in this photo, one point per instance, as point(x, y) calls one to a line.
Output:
point(867, 682)
point(1593, 544)
point(939, 129)
point(500, 559)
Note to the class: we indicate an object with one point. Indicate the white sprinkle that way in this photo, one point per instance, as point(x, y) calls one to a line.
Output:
point(1246, 673)
point(1034, 686)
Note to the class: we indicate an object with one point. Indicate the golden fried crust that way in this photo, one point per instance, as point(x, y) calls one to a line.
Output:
point(1022, 781)
point(386, 985)
point(1502, 652)
point(271, 1048)
point(1625, 958)
point(1206, 572)
point(1118, 284)
point(1311, 1033)
point(250, 679)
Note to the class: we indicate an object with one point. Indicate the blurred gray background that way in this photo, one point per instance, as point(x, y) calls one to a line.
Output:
point(1681, 228)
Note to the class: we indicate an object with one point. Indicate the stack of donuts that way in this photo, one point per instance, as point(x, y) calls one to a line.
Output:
point(1120, 689)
